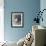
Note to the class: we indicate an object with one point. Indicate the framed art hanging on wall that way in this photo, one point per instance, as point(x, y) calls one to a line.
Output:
point(17, 19)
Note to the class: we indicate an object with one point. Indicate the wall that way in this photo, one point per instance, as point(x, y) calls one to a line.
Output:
point(29, 7)
point(43, 6)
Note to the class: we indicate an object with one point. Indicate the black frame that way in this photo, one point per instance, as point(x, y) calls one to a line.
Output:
point(22, 20)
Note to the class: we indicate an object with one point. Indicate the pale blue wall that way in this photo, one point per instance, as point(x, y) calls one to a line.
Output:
point(43, 6)
point(29, 7)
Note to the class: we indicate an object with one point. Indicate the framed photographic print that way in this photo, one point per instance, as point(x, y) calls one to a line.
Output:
point(17, 19)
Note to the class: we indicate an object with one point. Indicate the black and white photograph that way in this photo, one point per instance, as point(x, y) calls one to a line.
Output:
point(17, 19)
